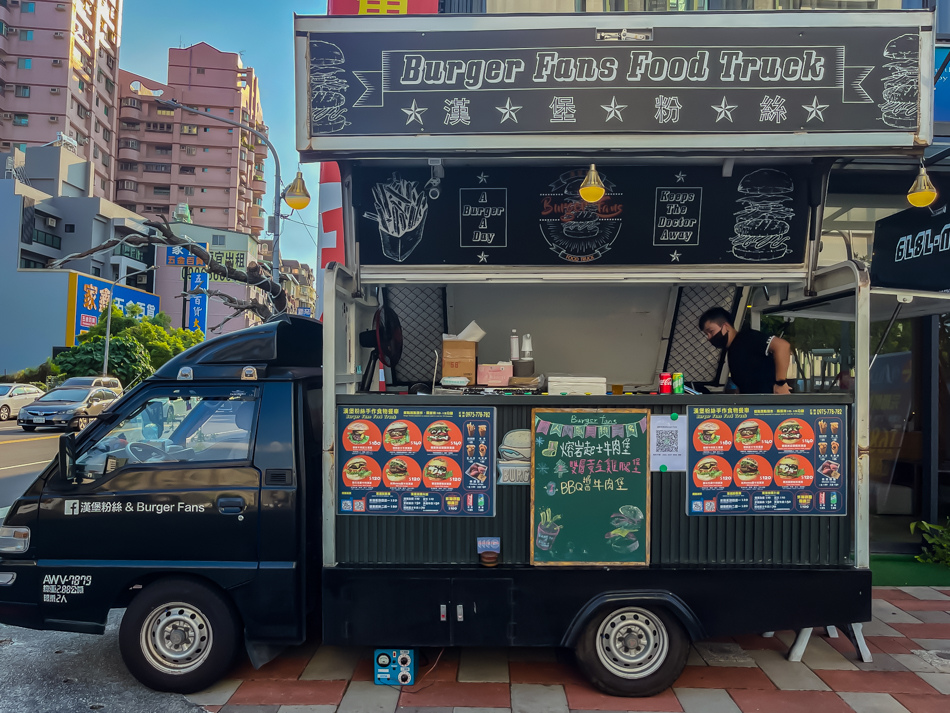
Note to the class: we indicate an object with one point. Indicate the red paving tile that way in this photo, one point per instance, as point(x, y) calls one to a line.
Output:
point(923, 631)
point(789, 702)
point(585, 697)
point(891, 644)
point(363, 670)
point(286, 693)
point(754, 642)
point(723, 677)
point(891, 595)
point(875, 681)
point(543, 672)
point(912, 605)
point(450, 694)
point(282, 668)
point(923, 704)
point(842, 646)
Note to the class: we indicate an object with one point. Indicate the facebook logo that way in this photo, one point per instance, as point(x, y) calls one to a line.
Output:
point(71, 507)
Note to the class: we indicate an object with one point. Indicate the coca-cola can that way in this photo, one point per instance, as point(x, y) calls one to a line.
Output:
point(666, 383)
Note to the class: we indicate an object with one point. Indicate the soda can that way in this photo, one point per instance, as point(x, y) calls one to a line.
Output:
point(666, 383)
point(677, 383)
point(481, 502)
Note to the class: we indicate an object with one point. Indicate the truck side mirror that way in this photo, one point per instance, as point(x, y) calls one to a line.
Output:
point(67, 455)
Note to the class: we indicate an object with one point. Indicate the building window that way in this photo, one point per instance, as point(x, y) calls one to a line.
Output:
point(28, 7)
point(190, 129)
point(95, 150)
point(207, 150)
point(204, 190)
point(129, 144)
point(105, 110)
point(110, 61)
point(190, 150)
point(22, 92)
point(204, 170)
point(21, 119)
point(128, 166)
point(165, 112)
point(106, 135)
point(26, 35)
point(161, 209)
point(160, 127)
point(217, 239)
point(201, 70)
point(126, 186)
point(129, 126)
point(158, 168)
point(161, 191)
point(24, 63)
point(31, 264)
point(163, 150)
point(130, 252)
point(96, 271)
point(48, 239)
point(201, 210)
point(206, 129)
point(110, 86)
point(230, 131)
point(106, 160)
point(82, 111)
point(187, 170)
point(69, 228)
point(188, 190)
point(132, 102)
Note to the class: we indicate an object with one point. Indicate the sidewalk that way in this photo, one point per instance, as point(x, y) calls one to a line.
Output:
point(747, 674)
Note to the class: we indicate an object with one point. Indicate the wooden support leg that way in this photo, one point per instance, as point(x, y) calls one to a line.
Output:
point(798, 648)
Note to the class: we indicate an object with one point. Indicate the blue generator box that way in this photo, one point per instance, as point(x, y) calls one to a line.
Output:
point(395, 667)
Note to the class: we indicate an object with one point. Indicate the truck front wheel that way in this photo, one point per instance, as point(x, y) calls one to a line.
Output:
point(179, 635)
point(632, 651)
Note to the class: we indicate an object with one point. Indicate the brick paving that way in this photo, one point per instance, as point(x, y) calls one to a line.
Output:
point(746, 674)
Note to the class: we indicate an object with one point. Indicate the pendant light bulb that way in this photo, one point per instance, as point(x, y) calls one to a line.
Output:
point(296, 195)
point(592, 189)
point(922, 193)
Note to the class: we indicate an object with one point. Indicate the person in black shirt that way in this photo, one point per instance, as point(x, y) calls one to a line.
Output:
point(757, 364)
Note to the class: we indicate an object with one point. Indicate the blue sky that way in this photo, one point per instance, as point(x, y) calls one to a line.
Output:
point(263, 32)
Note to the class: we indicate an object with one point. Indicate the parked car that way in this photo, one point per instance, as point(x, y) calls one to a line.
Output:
point(105, 382)
point(15, 396)
point(67, 408)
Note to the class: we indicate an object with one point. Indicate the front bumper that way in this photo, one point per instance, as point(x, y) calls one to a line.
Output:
point(54, 419)
point(19, 604)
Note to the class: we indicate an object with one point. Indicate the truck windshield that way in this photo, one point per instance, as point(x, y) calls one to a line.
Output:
point(173, 428)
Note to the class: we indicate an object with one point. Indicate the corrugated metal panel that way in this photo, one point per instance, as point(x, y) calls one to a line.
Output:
point(676, 539)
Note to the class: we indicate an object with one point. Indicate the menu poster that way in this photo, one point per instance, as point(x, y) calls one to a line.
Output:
point(768, 460)
point(415, 461)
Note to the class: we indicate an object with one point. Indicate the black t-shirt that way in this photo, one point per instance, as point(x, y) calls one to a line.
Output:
point(751, 366)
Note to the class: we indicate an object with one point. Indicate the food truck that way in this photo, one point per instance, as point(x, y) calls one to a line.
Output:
point(573, 506)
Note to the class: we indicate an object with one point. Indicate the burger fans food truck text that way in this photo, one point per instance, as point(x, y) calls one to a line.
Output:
point(250, 483)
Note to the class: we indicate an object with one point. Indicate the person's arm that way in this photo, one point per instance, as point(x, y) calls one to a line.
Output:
point(781, 352)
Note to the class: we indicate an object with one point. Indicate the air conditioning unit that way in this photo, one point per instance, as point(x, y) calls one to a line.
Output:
point(54, 90)
point(51, 222)
point(59, 35)
point(60, 7)
point(57, 63)
point(7, 116)
point(12, 30)
point(4, 144)
point(54, 118)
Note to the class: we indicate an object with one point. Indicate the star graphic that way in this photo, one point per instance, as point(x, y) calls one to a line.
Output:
point(815, 110)
point(676, 255)
point(508, 112)
point(414, 113)
point(613, 109)
point(680, 177)
point(482, 257)
point(482, 177)
point(724, 110)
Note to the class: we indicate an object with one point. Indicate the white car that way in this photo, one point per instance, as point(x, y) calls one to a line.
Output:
point(104, 382)
point(14, 396)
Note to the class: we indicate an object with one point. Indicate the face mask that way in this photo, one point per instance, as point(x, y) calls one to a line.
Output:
point(720, 340)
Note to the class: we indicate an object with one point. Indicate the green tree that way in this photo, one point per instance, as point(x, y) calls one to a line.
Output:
point(128, 359)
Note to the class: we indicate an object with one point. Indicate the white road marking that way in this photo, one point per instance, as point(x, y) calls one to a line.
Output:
point(24, 465)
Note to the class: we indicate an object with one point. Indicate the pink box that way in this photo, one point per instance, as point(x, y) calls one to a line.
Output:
point(494, 374)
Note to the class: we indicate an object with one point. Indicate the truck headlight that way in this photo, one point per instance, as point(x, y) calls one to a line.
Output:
point(14, 539)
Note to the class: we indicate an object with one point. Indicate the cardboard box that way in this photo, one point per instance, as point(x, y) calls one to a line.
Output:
point(458, 359)
point(494, 374)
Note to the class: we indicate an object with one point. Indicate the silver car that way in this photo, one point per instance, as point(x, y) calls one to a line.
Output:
point(13, 397)
point(105, 382)
point(69, 408)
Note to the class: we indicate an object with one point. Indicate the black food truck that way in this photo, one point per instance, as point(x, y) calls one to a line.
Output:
point(260, 481)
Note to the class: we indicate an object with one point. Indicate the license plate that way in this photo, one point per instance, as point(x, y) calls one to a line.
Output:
point(39, 420)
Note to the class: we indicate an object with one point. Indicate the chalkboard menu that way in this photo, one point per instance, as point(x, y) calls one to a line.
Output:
point(422, 461)
point(590, 488)
point(768, 460)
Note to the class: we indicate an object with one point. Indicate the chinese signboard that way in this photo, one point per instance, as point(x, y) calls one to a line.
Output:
point(89, 296)
point(912, 251)
point(768, 460)
point(177, 255)
point(198, 304)
point(652, 215)
point(423, 461)
point(590, 490)
point(863, 81)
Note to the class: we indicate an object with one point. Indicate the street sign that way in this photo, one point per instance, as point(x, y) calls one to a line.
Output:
point(198, 304)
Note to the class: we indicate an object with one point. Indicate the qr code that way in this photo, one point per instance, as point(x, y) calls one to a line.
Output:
point(709, 505)
point(667, 440)
point(359, 506)
point(346, 506)
point(697, 506)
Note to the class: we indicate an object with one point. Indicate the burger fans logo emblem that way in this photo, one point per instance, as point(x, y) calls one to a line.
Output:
point(327, 100)
point(900, 86)
point(762, 226)
point(578, 231)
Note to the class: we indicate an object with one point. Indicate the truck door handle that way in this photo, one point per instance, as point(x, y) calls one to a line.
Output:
point(231, 506)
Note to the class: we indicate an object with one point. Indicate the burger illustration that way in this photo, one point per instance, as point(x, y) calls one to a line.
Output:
point(900, 86)
point(397, 433)
point(707, 469)
point(327, 100)
point(788, 468)
point(762, 226)
point(397, 470)
point(747, 469)
point(438, 433)
point(358, 433)
point(789, 431)
point(580, 220)
point(438, 469)
point(356, 469)
point(747, 433)
point(708, 433)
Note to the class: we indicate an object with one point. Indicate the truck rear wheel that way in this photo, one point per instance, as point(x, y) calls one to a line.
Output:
point(179, 635)
point(632, 651)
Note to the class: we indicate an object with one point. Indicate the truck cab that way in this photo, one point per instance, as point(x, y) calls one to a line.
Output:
point(183, 504)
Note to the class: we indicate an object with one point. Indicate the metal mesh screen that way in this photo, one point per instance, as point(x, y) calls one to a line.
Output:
point(421, 312)
point(689, 353)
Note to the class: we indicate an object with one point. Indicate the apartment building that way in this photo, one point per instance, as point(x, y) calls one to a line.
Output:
point(58, 67)
point(167, 156)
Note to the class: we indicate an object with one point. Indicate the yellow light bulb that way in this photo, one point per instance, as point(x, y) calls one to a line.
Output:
point(922, 193)
point(296, 195)
point(592, 189)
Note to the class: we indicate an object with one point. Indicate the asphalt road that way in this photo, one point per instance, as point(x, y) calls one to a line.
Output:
point(22, 457)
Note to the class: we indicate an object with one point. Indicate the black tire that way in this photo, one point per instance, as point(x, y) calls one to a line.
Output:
point(79, 423)
point(28, 428)
point(151, 630)
point(606, 653)
point(4, 413)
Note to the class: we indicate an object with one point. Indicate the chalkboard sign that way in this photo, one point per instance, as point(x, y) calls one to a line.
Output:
point(590, 487)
